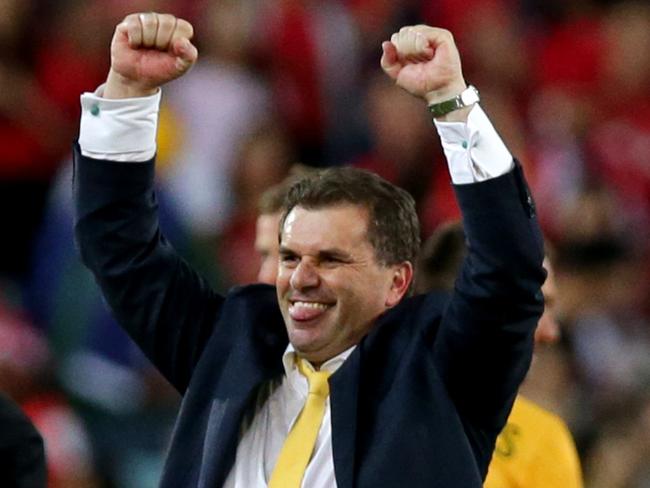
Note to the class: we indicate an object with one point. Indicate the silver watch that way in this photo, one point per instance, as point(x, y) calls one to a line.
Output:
point(468, 97)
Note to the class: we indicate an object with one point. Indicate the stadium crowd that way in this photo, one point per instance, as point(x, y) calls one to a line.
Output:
point(281, 82)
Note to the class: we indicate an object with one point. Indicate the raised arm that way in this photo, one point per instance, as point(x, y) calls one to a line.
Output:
point(484, 343)
point(161, 302)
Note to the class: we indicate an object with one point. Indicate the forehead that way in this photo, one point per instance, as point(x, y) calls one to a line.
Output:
point(342, 226)
point(267, 227)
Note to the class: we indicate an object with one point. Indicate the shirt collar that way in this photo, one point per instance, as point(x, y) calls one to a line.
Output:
point(331, 365)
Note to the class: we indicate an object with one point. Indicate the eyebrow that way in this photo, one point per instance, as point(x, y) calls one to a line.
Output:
point(334, 253)
point(325, 253)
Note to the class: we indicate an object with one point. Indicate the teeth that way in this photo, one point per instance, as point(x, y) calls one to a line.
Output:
point(319, 306)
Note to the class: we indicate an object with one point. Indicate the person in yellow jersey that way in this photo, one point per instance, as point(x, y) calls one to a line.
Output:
point(535, 448)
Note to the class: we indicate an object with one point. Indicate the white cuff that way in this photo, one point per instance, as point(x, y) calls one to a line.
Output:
point(118, 130)
point(474, 150)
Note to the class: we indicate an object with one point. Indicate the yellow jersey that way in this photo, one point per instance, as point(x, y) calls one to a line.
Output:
point(534, 450)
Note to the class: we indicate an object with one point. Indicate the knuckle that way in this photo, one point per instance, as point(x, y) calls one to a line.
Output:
point(183, 27)
point(166, 23)
point(148, 20)
point(131, 22)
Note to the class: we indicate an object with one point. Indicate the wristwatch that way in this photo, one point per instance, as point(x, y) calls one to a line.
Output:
point(468, 97)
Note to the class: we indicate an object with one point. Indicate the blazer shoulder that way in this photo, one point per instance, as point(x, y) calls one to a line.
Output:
point(254, 308)
point(258, 294)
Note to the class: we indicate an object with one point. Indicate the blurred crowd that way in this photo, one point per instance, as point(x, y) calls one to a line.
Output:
point(281, 82)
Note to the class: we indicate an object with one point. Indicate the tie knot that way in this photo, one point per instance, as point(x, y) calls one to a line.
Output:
point(317, 380)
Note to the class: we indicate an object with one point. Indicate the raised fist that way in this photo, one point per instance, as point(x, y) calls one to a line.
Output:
point(147, 51)
point(425, 62)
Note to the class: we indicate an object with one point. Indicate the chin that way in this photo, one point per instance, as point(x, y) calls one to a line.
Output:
point(302, 341)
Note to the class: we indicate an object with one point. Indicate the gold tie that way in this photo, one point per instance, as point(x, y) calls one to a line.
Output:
point(297, 449)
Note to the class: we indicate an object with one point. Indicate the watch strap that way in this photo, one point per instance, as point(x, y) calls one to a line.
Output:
point(467, 97)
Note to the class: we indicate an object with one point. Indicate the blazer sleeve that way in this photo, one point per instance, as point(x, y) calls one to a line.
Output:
point(163, 304)
point(484, 344)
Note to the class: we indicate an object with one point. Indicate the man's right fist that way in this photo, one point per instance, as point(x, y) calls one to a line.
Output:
point(147, 51)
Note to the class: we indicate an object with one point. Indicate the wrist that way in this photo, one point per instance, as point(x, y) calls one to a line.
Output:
point(438, 96)
point(453, 105)
point(459, 115)
point(117, 86)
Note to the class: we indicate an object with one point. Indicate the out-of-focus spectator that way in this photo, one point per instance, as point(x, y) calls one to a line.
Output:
point(270, 207)
point(264, 161)
point(216, 105)
point(26, 376)
point(22, 457)
point(603, 293)
point(125, 391)
point(402, 151)
point(621, 450)
point(311, 51)
point(266, 232)
point(40, 82)
point(619, 143)
point(31, 135)
point(535, 448)
point(603, 290)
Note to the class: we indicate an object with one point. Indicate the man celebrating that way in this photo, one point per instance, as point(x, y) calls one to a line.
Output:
point(334, 377)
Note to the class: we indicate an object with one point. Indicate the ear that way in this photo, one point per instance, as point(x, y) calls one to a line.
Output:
point(402, 278)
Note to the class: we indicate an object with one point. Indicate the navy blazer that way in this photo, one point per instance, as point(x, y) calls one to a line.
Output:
point(420, 401)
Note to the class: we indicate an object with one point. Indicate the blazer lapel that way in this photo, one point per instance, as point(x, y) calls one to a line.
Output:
point(225, 417)
point(344, 387)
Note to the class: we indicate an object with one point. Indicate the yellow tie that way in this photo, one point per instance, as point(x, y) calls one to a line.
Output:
point(297, 450)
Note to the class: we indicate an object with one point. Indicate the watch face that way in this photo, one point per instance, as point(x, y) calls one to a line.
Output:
point(469, 96)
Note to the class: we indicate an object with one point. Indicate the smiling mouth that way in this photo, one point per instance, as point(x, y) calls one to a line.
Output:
point(305, 311)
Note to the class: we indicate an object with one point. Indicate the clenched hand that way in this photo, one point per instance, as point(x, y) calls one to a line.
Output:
point(425, 62)
point(147, 51)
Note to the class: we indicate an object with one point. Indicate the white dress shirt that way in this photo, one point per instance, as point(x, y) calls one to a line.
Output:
point(125, 130)
point(262, 441)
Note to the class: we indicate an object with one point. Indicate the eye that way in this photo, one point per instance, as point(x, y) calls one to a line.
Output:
point(331, 261)
point(289, 259)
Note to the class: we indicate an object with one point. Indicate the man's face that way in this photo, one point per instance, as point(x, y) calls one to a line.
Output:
point(266, 245)
point(330, 286)
point(548, 330)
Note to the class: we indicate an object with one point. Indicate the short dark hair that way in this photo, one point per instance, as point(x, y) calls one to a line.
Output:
point(440, 258)
point(272, 200)
point(393, 226)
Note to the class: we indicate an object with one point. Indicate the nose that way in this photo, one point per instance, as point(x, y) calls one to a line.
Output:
point(304, 276)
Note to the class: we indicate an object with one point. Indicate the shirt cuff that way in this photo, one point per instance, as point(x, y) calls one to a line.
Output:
point(474, 150)
point(118, 130)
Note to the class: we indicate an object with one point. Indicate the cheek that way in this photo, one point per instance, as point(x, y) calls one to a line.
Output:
point(361, 298)
point(282, 280)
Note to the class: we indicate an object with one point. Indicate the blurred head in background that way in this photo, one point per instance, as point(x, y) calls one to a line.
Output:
point(271, 206)
point(440, 260)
